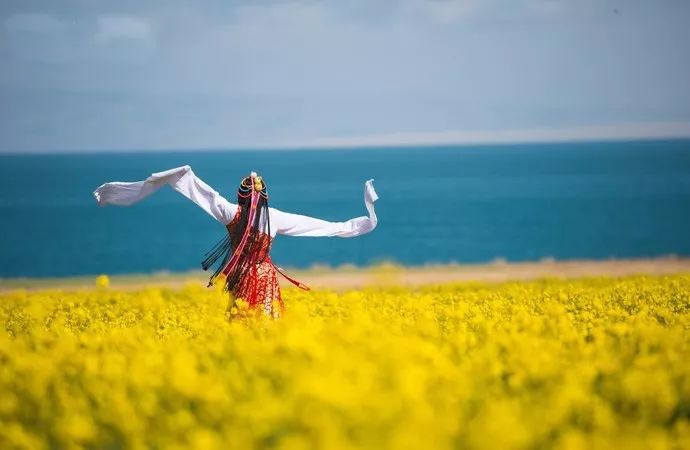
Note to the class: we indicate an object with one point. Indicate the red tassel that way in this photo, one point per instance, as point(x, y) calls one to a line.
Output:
point(299, 284)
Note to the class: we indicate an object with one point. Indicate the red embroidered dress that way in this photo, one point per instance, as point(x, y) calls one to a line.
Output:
point(258, 284)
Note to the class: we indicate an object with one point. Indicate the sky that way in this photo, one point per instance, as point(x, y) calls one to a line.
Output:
point(94, 75)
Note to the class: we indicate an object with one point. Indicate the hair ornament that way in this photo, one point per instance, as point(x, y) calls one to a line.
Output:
point(252, 183)
point(258, 184)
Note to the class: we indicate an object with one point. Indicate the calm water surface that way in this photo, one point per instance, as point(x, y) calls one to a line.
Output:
point(464, 204)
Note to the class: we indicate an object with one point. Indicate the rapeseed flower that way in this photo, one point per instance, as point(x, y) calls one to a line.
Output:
point(592, 363)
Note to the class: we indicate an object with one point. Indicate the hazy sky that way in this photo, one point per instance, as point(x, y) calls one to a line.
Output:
point(96, 74)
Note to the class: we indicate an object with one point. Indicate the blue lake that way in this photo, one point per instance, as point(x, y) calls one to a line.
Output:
point(444, 204)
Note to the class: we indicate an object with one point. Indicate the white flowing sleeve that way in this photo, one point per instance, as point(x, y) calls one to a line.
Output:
point(182, 179)
point(305, 226)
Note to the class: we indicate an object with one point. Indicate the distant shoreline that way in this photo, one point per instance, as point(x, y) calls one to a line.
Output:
point(351, 277)
point(355, 146)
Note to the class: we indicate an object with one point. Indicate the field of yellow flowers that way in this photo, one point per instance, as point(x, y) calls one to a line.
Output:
point(592, 363)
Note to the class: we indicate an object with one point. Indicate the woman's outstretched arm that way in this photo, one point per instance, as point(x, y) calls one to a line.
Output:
point(298, 225)
point(182, 179)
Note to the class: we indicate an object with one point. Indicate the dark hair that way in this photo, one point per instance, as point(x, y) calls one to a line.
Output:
point(226, 247)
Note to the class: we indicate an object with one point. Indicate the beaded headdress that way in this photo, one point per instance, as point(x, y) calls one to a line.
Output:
point(252, 183)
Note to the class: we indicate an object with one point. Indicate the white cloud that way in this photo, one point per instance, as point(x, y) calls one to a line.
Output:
point(62, 40)
point(114, 27)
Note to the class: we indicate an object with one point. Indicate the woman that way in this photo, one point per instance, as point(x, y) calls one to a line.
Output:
point(251, 227)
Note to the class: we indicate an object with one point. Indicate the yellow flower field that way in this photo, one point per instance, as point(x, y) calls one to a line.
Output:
point(596, 363)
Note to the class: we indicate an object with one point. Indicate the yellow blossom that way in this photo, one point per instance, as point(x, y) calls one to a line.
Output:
point(591, 363)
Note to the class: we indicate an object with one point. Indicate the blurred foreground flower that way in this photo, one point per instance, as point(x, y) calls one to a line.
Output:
point(102, 281)
point(595, 363)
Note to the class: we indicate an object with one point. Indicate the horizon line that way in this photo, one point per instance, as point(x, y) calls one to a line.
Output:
point(659, 131)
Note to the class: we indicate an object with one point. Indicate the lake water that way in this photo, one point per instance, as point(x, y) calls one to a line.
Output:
point(462, 204)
